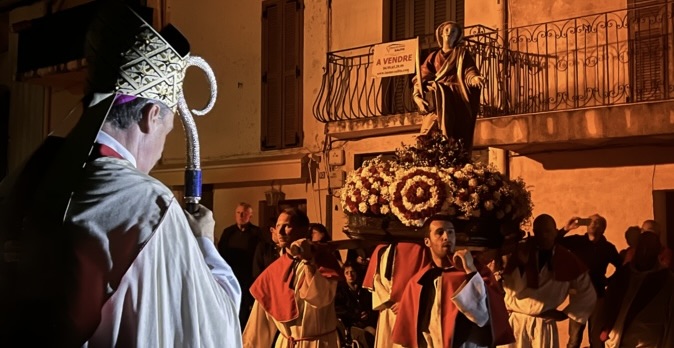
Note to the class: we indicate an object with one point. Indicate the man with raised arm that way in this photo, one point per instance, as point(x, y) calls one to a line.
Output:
point(449, 302)
point(295, 295)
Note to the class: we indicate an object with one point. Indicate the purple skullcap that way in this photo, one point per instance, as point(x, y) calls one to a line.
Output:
point(123, 99)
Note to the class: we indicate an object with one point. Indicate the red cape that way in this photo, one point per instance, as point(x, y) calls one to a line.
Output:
point(274, 290)
point(406, 326)
point(407, 260)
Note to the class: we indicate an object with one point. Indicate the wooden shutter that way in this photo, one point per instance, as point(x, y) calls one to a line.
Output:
point(281, 74)
point(292, 73)
point(272, 70)
point(399, 20)
point(410, 18)
point(459, 14)
point(647, 57)
point(440, 12)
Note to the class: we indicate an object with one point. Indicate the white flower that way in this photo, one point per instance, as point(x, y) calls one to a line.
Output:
point(468, 168)
point(372, 200)
point(472, 182)
point(474, 197)
point(459, 174)
point(489, 205)
point(384, 190)
point(384, 209)
point(362, 207)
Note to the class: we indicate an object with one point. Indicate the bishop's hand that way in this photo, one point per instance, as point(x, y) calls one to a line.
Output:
point(201, 222)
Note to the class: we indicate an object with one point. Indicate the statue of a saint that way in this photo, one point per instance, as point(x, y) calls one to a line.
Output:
point(450, 87)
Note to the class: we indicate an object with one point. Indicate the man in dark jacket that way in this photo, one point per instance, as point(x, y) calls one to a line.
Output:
point(237, 246)
point(596, 253)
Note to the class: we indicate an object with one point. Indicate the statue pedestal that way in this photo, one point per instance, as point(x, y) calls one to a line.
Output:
point(380, 228)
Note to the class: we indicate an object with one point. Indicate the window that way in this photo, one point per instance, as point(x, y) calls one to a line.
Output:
point(412, 18)
point(648, 33)
point(358, 159)
point(282, 26)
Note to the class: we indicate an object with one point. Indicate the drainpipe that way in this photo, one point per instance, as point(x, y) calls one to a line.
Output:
point(328, 27)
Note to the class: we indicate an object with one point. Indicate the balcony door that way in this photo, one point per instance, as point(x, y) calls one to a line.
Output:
point(649, 53)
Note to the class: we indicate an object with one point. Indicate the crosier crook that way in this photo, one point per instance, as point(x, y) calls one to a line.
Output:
point(193, 166)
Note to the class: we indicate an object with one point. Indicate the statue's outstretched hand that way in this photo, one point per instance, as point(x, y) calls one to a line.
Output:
point(422, 104)
point(476, 81)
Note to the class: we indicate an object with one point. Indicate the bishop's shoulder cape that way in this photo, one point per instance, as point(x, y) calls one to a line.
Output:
point(163, 287)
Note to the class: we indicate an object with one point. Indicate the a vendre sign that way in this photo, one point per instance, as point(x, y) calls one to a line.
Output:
point(395, 58)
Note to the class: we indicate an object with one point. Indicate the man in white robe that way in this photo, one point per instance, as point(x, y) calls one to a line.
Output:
point(390, 269)
point(295, 295)
point(537, 280)
point(125, 266)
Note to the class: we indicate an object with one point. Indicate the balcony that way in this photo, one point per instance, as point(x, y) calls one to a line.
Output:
point(606, 75)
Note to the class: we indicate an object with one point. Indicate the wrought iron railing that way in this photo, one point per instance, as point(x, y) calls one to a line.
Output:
point(608, 58)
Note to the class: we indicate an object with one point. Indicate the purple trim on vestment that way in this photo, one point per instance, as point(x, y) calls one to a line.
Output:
point(123, 99)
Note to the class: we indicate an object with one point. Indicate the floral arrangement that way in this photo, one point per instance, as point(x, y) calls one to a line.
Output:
point(432, 150)
point(435, 176)
point(366, 190)
point(473, 190)
point(420, 192)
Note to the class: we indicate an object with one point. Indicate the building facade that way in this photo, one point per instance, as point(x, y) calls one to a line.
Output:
point(578, 100)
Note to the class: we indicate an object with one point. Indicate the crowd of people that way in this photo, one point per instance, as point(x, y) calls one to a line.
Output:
point(103, 255)
point(431, 295)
